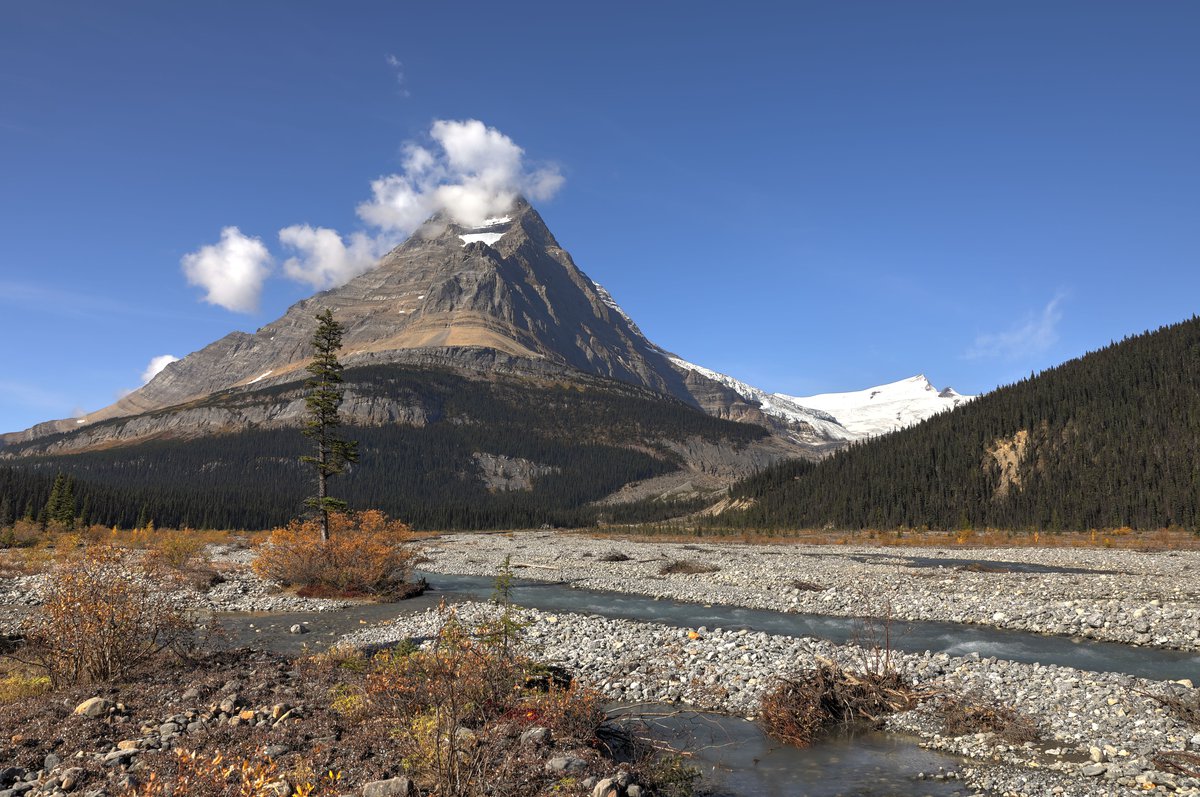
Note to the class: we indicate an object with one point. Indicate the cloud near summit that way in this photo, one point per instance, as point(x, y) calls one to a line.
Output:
point(467, 169)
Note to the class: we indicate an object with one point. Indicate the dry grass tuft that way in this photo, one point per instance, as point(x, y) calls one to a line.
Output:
point(686, 566)
point(966, 714)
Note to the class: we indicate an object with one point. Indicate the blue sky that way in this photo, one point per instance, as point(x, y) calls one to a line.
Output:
point(808, 196)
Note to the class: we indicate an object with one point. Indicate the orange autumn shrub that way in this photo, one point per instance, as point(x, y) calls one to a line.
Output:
point(367, 553)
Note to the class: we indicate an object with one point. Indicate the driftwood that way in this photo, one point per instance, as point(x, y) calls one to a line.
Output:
point(1180, 762)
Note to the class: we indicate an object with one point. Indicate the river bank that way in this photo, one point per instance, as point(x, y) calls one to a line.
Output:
point(1120, 596)
point(728, 671)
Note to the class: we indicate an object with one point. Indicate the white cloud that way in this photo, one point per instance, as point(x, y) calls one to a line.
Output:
point(323, 259)
point(157, 364)
point(398, 70)
point(472, 173)
point(1035, 335)
point(231, 271)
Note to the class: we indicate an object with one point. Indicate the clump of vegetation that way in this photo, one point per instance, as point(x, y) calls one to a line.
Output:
point(17, 686)
point(799, 708)
point(686, 566)
point(178, 550)
point(198, 775)
point(367, 554)
point(453, 705)
point(966, 714)
point(614, 556)
point(126, 624)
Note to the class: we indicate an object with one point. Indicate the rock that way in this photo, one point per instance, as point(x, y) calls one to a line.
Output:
point(119, 758)
point(298, 628)
point(129, 744)
point(247, 715)
point(50, 761)
point(606, 788)
point(1094, 770)
point(94, 707)
point(276, 750)
point(633, 790)
point(168, 728)
point(72, 778)
point(566, 764)
point(393, 787)
point(537, 735)
point(229, 704)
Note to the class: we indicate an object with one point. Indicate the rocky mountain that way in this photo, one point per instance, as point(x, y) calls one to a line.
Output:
point(569, 403)
point(885, 408)
point(504, 297)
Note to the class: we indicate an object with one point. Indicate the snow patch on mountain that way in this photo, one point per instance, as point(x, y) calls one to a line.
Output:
point(488, 238)
point(885, 408)
point(778, 406)
point(611, 303)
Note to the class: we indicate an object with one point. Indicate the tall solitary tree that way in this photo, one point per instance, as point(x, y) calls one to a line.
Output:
point(324, 396)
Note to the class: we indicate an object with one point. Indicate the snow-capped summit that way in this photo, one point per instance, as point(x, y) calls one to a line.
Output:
point(885, 408)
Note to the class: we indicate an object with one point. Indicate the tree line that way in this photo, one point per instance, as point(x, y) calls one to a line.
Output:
point(1108, 440)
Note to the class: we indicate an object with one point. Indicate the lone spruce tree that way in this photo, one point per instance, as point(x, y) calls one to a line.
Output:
point(324, 396)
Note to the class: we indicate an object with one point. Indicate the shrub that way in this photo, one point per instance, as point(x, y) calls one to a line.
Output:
point(686, 566)
point(982, 714)
point(366, 554)
point(797, 709)
point(615, 556)
point(125, 625)
point(178, 550)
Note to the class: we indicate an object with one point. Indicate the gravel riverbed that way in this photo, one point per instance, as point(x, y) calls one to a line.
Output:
point(1106, 594)
point(1098, 731)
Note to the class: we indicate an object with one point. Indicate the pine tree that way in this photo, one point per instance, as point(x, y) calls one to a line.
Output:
point(324, 396)
point(60, 506)
point(6, 512)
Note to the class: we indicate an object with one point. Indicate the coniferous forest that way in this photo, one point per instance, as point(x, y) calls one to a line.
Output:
point(1107, 440)
point(591, 438)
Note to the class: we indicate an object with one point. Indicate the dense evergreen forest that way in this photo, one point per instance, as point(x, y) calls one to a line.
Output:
point(1108, 440)
point(596, 437)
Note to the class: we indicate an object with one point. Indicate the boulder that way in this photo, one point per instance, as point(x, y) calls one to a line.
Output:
point(94, 707)
point(393, 787)
point(537, 735)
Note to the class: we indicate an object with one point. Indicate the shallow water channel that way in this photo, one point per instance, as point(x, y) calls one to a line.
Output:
point(957, 639)
point(735, 758)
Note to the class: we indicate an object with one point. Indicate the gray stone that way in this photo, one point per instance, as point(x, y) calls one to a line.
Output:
point(566, 764)
point(50, 761)
point(633, 790)
point(298, 628)
point(1094, 770)
point(393, 787)
point(537, 735)
point(275, 750)
point(168, 728)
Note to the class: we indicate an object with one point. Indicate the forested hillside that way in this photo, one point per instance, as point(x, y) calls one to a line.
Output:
point(1107, 440)
point(569, 443)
